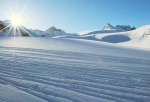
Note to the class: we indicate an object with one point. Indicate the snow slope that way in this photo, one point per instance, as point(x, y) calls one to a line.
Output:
point(135, 38)
point(43, 69)
point(140, 37)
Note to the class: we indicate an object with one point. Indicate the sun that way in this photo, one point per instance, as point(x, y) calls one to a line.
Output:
point(16, 20)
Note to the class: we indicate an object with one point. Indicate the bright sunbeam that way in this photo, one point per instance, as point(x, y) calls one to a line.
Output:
point(16, 20)
point(19, 17)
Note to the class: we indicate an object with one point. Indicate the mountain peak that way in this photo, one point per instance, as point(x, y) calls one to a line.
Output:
point(108, 27)
point(52, 31)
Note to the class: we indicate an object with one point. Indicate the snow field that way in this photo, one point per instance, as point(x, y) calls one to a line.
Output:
point(64, 76)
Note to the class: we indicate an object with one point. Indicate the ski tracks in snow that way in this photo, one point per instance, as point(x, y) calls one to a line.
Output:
point(59, 76)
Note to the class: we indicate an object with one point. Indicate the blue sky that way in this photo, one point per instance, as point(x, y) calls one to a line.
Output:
point(78, 15)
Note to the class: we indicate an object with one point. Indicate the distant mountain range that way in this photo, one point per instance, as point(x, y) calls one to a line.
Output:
point(52, 31)
point(120, 28)
point(120, 34)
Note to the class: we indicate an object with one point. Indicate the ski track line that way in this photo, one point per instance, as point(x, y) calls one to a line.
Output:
point(78, 77)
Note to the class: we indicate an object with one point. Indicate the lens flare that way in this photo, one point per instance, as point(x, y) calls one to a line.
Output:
point(16, 20)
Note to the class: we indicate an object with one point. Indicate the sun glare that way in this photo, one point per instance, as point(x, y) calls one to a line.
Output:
point(16, 20)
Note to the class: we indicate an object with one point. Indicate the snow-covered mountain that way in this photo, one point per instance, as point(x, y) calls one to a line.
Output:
point(19, 31)
point(120, 34)
point(6, 22)
point(125, 27)
point(139, 37)
point(118, 28)
point(53, 31)
point(23, 31)
point(108, 27)
point(36, 31)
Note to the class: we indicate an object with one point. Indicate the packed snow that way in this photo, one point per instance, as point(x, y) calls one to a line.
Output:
point(83, 67)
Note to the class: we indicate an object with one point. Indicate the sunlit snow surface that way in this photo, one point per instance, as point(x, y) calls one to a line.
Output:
point(71, 70)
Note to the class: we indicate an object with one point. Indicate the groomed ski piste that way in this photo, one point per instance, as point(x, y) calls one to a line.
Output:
point(76, 68)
